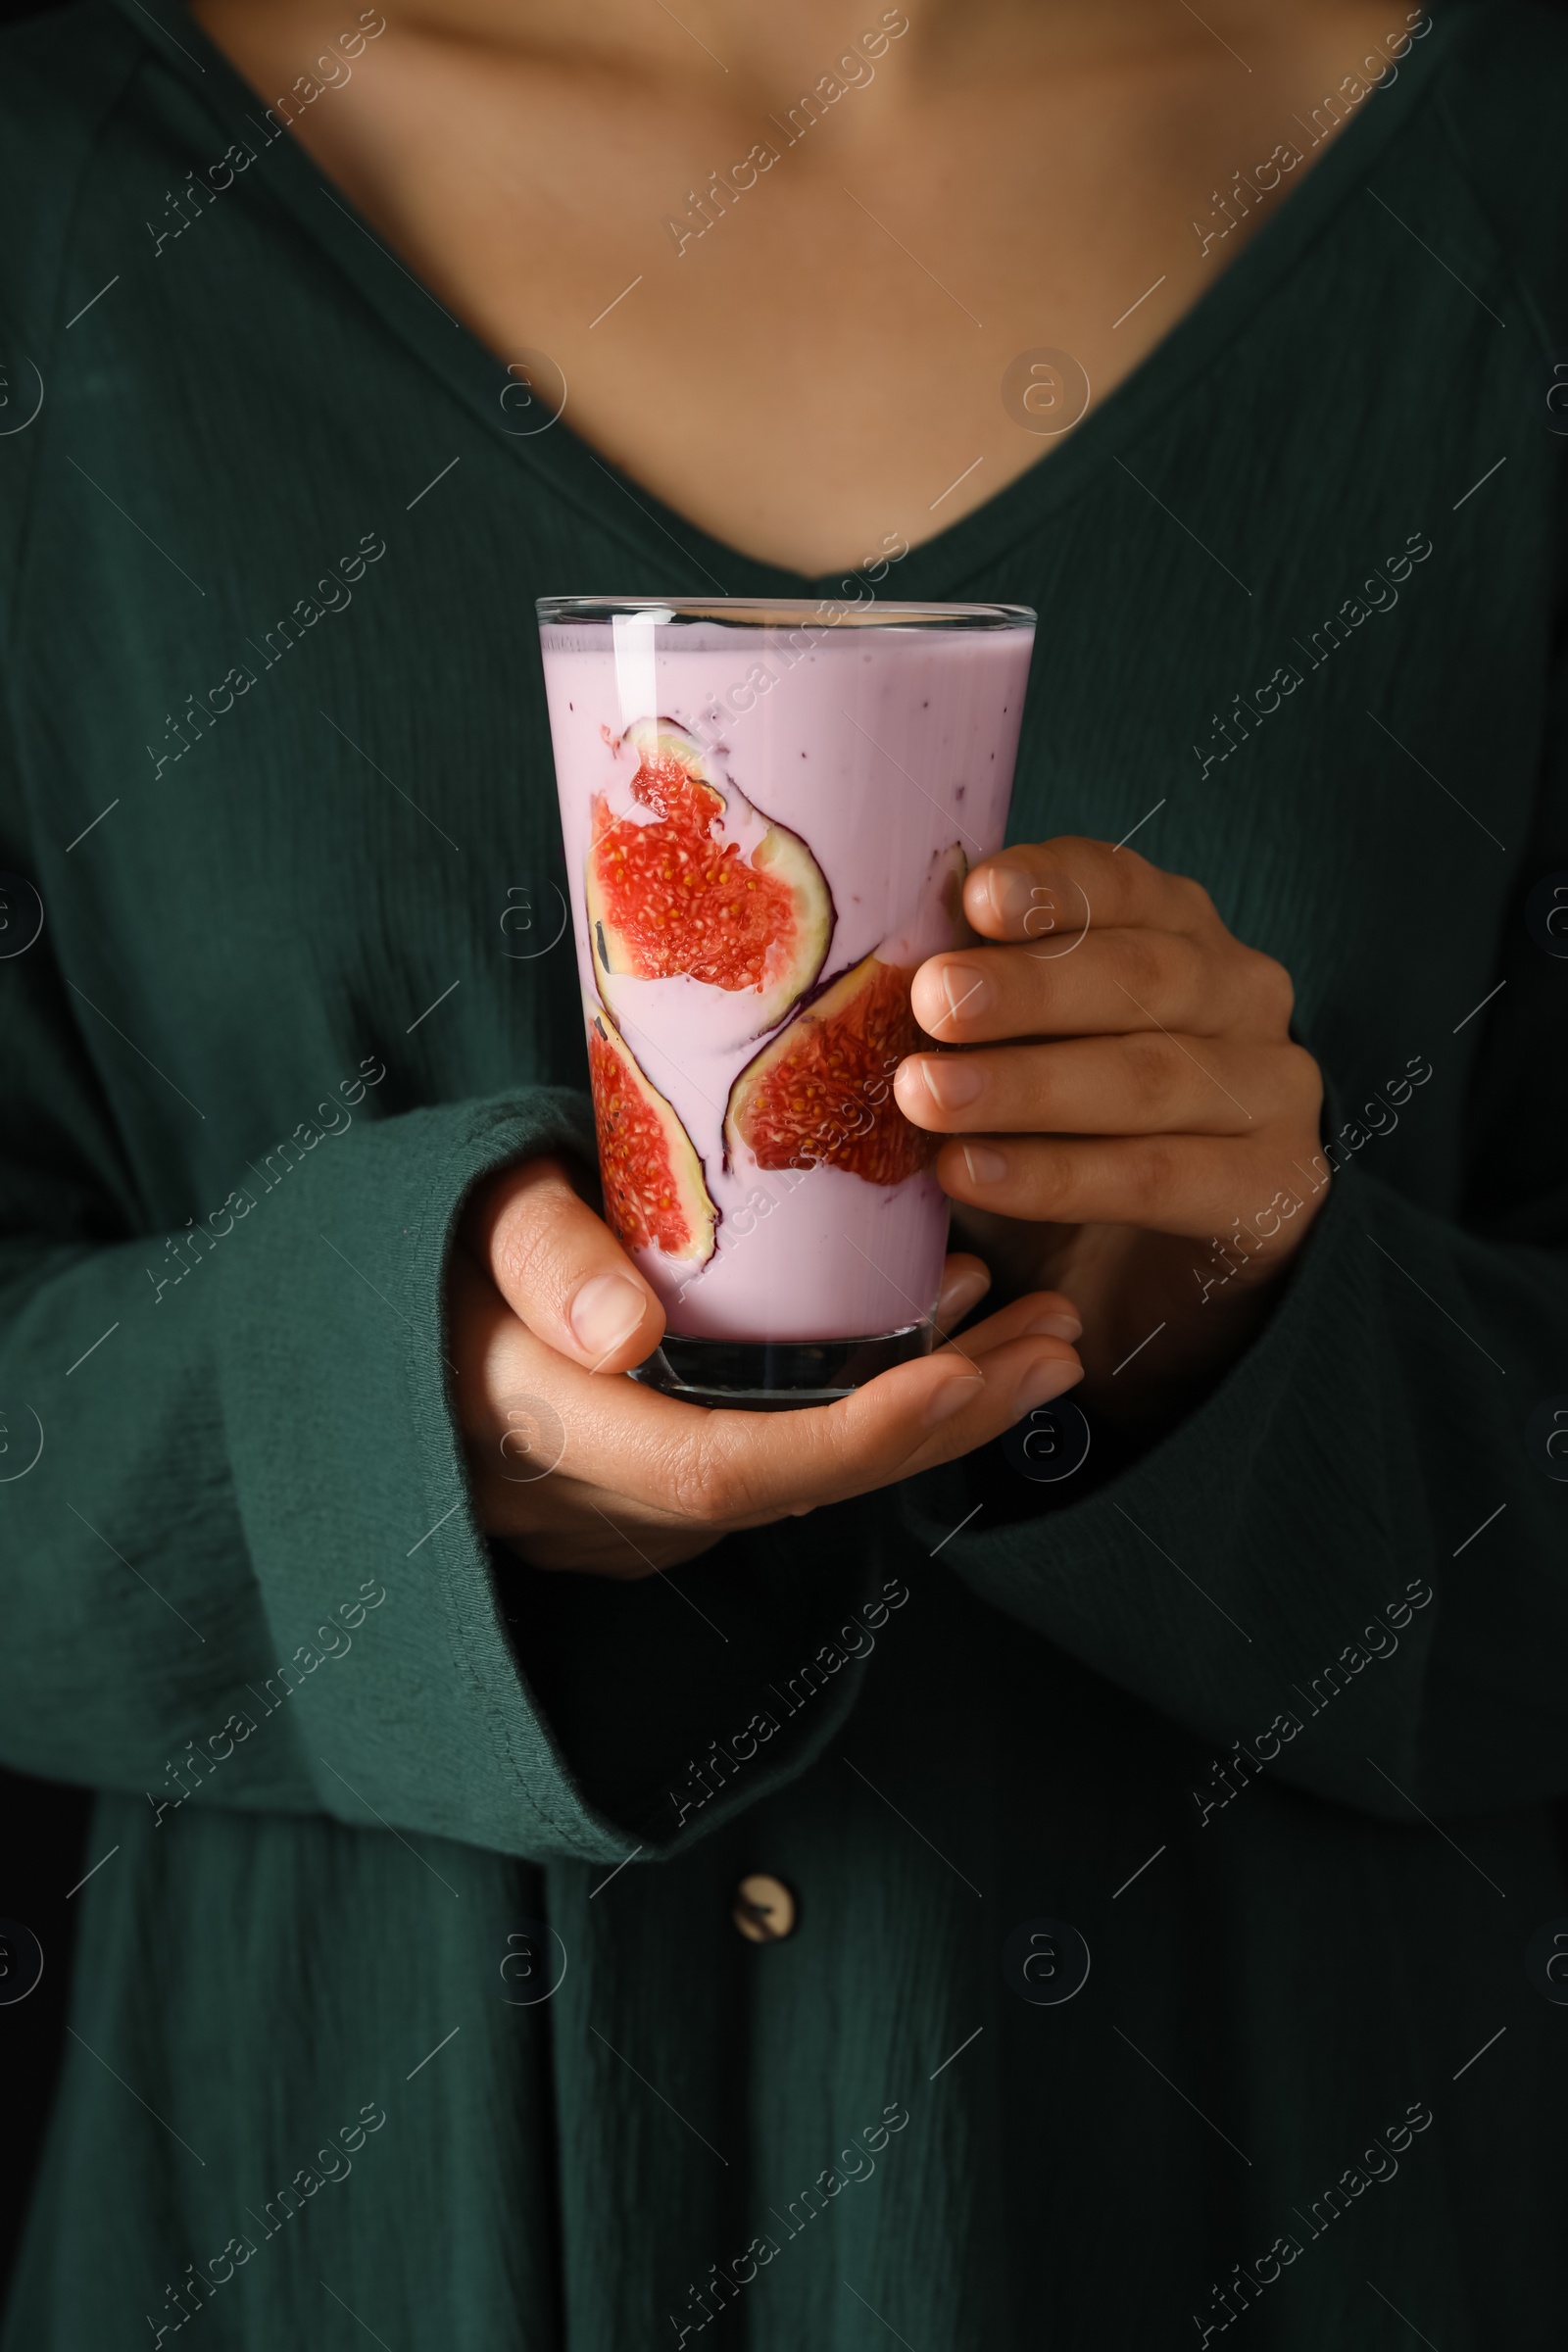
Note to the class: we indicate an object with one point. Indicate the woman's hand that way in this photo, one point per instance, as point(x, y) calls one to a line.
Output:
point(1138, 1127)
point(574, 1466)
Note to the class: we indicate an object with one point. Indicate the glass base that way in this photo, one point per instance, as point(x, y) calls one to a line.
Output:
point(777, 1376)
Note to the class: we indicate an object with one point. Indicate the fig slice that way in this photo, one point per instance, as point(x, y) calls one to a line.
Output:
point(654, 1184)
point(820, 1092)
point(704, 884)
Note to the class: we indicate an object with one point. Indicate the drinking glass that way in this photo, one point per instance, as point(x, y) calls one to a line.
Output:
point(768, 812)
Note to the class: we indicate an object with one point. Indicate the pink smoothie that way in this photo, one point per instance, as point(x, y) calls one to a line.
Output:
point(888, 750)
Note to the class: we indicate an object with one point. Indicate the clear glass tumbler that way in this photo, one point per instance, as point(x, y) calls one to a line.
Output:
point(768, 813)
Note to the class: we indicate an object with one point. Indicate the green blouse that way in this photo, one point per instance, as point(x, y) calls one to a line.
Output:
point(408, 2002)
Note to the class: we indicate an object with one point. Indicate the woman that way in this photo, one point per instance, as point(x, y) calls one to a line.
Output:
point(962, 1905)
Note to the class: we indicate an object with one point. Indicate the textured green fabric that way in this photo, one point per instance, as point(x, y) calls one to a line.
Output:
point(298, 927)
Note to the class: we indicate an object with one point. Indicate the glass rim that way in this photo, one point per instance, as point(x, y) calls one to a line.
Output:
point(782, 611)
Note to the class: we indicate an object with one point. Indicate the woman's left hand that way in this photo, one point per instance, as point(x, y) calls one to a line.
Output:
point(1132, 1122)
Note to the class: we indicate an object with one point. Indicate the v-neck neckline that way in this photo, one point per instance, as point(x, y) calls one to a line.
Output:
point(468, 369)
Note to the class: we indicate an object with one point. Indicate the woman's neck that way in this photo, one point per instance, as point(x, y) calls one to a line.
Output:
point(768, 49)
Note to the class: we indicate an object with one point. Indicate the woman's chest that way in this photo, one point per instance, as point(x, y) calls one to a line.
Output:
point(857, 303)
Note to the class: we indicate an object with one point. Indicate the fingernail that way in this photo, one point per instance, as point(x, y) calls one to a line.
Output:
point(985, 1165)
point(1052, 1327)
point(950, 1080)
point(1011, 894)
point(606, 1312)
point(966, 1291)
point(966, 989)
point(1045, 1379)
point(953, 1395)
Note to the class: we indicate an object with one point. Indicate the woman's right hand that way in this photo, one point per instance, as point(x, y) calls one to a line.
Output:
point(574, 1466)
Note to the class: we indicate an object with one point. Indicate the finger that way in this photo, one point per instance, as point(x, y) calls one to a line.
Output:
point(1006, 1382)
point(730, 1468)
point(1111, 982)
point(965, 1280)
point(548, 1444)
point(578, 1472)
point(514, 1441)
point(1185, 1184)
point(1149, 1083)
point(921, 1413)
point(1039, 1313)
point(1054, 889)
point(562, 1270)
point(527, 1407)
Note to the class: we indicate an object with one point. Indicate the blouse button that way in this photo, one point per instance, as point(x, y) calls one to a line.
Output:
point(764, 1909)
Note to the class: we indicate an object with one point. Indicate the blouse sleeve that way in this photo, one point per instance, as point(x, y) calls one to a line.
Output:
point(1349, 1565)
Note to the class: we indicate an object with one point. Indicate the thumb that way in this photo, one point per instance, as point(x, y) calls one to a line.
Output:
point(562, 1270)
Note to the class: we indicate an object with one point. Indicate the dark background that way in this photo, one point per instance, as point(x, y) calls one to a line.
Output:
point(44, 1833)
